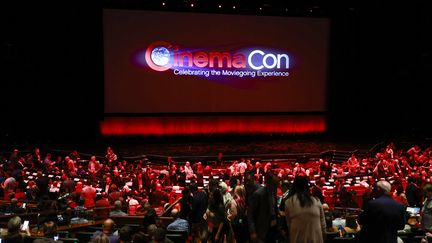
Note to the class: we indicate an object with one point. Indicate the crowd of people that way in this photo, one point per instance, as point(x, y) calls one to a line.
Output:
point(244, 200)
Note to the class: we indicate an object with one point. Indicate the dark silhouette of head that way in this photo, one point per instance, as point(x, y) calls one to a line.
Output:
point(300, 188)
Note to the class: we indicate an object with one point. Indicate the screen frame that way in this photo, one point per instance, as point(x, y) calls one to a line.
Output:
point(327, 64)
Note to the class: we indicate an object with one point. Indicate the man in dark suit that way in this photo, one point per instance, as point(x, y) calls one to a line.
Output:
point(199, 207)
point(382, 217)
point(106, 185)
point(413, 193)
point(250, 186)
point(42, 183)
point(263, 211)
point(67, 185)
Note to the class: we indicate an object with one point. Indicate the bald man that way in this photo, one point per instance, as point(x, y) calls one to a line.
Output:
point(382, 217)
point(108, 230)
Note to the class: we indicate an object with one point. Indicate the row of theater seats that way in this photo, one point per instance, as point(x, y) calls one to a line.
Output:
point(85, 237)
point(334, 237)
point(181, 237)
point(65, 240)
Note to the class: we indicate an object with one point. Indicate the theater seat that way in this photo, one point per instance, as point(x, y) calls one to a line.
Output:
point(406, 238)
point(331, 235)
point(185, 234)
point(176, 238)
point(134, 227)
point(94, 228)
point(84, 236)
point(417, 238)
point(344, 239)
point(30, 239)
point(63, 234)
point(71, 240)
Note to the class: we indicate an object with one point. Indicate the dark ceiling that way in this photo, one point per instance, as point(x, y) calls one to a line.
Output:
point(380, 64)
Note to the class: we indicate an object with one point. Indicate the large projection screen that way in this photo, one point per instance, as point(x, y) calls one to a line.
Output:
point(159, 63)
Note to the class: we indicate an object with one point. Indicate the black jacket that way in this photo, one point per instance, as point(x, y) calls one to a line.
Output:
point(381, 220)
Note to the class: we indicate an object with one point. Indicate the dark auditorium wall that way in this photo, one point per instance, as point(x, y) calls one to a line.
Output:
point(51, 56)
point(52, 84)
point(381, 69)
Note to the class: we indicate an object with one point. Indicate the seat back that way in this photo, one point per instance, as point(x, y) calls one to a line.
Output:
point(63, 234)
point(30, 239)
point(185, 234)
point(331, 235)
point(84, 236)
point(344, 240)
point(71, 240)
point(94, 228)
point(176, 238)
point(134, 227)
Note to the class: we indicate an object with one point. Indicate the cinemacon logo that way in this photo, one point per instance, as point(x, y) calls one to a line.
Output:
point(161, 56)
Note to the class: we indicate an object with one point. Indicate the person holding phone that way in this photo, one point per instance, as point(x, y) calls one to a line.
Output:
point(49, 230)
point(16, 231)
point(25, 225)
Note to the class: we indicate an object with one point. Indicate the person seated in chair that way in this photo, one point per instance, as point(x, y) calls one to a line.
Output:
point(80, 213)
point(117, 209)
point(107, 230)
point(102, 206)
point(160, 236)
point(14, 232)
point(13, 207)
point(158, 196)
point(178, 224)
point(351, 225)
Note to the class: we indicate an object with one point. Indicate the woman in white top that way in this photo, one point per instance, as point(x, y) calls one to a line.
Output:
point(304, 214)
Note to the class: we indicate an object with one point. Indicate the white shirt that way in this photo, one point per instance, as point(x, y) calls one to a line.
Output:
point(242, 166)
point(189, 172)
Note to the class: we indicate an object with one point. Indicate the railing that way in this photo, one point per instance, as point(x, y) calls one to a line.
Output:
point(158, 159)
